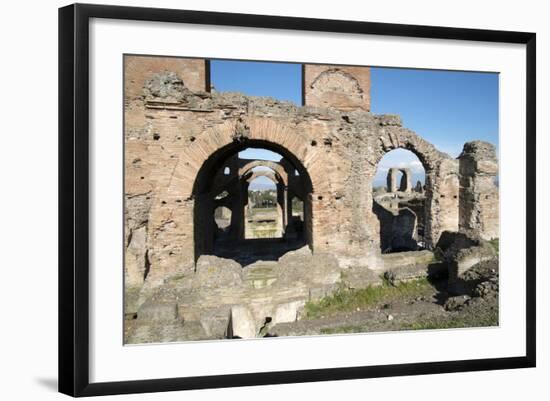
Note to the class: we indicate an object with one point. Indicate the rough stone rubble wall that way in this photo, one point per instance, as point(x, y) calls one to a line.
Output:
point(169, 140)
point(139, 69)
point(344, 88)
point(479, 205)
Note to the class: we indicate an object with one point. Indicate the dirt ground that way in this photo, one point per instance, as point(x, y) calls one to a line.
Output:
point(430, 307)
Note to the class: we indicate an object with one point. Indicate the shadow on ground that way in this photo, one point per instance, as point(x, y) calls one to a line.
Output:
point(249, 251)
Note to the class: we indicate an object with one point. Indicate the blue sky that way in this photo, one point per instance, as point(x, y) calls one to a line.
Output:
point(447, 108)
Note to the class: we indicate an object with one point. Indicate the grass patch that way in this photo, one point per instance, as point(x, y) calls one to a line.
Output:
point(345, 300)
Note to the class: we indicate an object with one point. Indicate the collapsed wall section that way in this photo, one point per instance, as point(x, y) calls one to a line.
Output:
point(174, 129)
point(479, 197)
point(344, 88)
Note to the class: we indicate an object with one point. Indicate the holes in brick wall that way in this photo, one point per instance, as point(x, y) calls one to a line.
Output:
point(147, 264)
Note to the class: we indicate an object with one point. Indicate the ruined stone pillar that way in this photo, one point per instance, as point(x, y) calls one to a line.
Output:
point(286, 207)
point(289, 229)
point(391, 180)
point(235, 202)
point(204, 232)
point(239, 203)
point(281, 211)
point(478, 197)
point(405, 184)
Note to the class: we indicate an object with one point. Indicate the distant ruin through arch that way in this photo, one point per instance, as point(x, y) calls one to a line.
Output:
point(401, 209)
point(211, 180)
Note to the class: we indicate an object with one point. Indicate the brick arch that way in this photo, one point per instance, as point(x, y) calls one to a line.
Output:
point(276, 178)
point(337, 77)
point(441, 213)
point(405, 183)
point(276, 167)
point(193, 175)
point(217, 188)
point(401, 138)
point(208, 148)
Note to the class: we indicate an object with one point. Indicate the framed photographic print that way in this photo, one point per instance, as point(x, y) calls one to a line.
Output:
point(250, 199)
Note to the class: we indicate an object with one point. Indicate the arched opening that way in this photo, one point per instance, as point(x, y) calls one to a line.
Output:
point(399, 204)
point(263, 216)
point(259, 193)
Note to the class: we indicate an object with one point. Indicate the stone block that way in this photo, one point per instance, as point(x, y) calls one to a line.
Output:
point(460, 253)
point(288, 311)
point(216, 321)
point(215, 272)
point(154, 311)
point(242, 322)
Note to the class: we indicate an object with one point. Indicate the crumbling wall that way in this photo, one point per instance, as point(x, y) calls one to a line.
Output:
point(344, 88)
point(398, 229)
point(178, 138)
point(460, 252)
point(479, 199)
point(139, 69)
point(391, 180)
point(405, 182)
point(441, 193)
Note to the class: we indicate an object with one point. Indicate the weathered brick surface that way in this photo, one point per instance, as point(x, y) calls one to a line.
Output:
point(138, 69)
point(345, 88)
point(479, 205)
point(173, 148)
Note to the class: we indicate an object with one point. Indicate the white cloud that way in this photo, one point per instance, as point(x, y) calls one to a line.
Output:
point(399, 158)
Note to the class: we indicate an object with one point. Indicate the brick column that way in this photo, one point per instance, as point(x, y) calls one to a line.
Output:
point(478, 197)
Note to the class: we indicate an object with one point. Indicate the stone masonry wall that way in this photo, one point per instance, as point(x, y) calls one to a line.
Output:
point(344, 88)
point(479, 199)
point(175, 132)
point(139, 69)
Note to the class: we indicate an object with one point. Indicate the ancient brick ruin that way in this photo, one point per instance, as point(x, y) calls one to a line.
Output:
point(181, 164)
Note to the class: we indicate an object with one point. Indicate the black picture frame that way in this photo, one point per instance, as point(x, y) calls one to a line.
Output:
point(74, 194)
